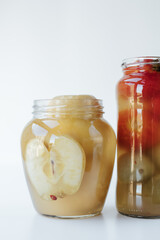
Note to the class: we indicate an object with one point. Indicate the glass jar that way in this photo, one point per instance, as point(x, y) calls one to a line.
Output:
point(138, 185)
point(68, 154)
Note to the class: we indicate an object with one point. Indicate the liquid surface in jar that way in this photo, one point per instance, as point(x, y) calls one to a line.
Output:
point(69, 160)
point(139, 140)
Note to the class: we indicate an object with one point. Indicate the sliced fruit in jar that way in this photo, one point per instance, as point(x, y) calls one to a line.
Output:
point(82, 104)
point(124, 103)
point(145, 85)
point(137, 128)
point(80, 100)
point(58, 172)
point(69, 160)
point(135, 168)
point(126, 87)
point(83, 131)
point(130, 103)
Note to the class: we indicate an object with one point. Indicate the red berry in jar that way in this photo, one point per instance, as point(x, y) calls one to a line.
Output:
point(53, 197)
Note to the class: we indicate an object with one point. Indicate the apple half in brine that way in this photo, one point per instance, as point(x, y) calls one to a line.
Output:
point(56, 172)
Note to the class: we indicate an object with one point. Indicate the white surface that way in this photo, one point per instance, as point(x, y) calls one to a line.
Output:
point(18, 219)
point(52, 47)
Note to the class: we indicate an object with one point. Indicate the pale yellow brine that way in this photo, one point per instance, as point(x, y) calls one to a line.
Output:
point(68, 151)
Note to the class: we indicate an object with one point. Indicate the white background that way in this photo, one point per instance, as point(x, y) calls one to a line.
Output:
point(55, 47)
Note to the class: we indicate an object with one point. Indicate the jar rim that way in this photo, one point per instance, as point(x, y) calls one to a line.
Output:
point(86, 106)
point(140, 61)
point(55, 101)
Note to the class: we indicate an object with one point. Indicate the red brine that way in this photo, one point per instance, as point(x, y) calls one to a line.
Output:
point(138, 185)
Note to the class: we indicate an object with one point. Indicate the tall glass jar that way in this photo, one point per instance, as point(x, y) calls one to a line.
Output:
point(138, 186)
point(68, 154)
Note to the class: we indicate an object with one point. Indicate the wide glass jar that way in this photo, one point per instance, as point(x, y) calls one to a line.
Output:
point(68, 154)
point(138, 186)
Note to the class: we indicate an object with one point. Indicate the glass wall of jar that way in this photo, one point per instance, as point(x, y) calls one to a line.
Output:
point(138, 185)
point(68, 154)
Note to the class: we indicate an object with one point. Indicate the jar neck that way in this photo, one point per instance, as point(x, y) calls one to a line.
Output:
point(68, 108)
point(141, 64)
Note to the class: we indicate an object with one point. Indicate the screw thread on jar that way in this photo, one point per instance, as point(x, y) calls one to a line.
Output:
point(85, 107)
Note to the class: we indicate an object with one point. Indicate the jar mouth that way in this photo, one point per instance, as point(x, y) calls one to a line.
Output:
point(79, 107)
point(140, 61)
point(48, 102)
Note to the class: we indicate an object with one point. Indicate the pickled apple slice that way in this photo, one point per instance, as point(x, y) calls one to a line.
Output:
point(57, 172)
point(75, 97)
point(35, 161)
point(76, 105)
point(70, 162)
point(134, 168)
point(79, 101)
